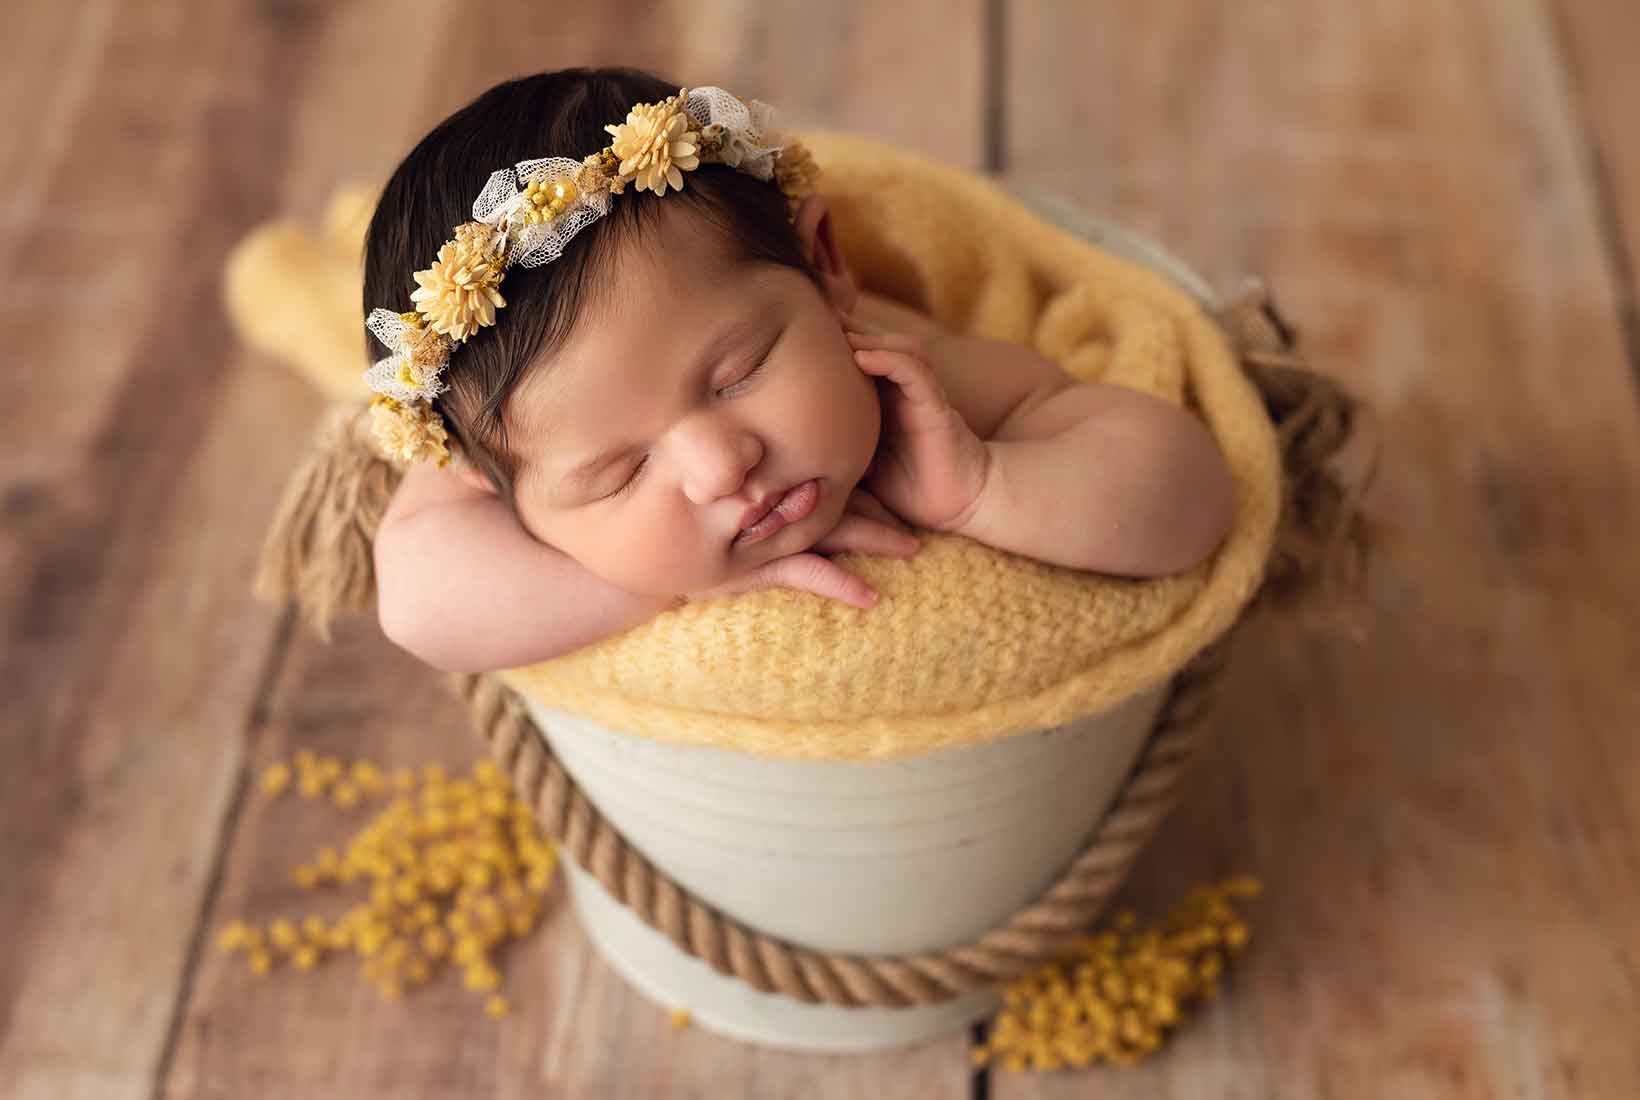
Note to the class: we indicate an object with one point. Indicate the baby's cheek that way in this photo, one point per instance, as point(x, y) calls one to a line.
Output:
point(669, 558)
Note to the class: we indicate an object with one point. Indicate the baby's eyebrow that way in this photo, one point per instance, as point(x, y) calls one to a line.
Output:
point(721, 343)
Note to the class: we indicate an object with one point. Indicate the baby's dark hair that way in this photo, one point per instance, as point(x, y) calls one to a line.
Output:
point(556, 114)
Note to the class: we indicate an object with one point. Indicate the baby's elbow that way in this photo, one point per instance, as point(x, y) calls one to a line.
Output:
point(412, 633)
point(1207, 494)
point(402, 614)
point(1185, 498)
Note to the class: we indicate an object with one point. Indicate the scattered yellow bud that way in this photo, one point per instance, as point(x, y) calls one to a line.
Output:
point(232, 935)
point(481, 977)
point(1115, 997)
point(435, 942)
point(275, 779)
point(283, 933)
point(453, 871)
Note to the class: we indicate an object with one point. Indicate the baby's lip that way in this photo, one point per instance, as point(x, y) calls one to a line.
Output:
point(764, 506)
point(793, 506)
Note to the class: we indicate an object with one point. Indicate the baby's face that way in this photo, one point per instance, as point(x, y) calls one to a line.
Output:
point(696, 389)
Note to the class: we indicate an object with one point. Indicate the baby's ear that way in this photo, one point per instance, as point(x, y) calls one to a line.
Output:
point(814, 228)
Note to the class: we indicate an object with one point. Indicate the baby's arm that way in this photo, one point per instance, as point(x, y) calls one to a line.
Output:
point(462, 586)
point(991, 441)
point(1106, 478)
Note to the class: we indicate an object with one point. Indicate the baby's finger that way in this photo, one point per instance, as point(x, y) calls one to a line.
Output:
point(890, 341)
point(813, 573)
point(853, 322)
point(905, 371)
point(866, 536)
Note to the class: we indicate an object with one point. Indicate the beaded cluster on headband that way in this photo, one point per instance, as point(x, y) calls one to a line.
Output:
point(527, 214)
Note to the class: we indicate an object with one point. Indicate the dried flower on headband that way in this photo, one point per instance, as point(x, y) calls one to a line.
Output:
point(527, 214)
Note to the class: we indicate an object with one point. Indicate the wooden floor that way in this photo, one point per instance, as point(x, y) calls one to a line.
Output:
point(1446, 197)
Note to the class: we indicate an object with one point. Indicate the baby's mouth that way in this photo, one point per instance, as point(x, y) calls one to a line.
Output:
point(798, 503)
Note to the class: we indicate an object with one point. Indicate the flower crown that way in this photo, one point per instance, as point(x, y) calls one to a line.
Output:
point(527, 214)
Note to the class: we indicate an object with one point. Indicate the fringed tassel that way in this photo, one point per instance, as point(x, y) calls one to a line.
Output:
point(1325, 542)
point(319, 549)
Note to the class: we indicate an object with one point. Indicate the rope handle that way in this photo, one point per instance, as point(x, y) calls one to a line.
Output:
point(1042, 931)
point(1321, 525)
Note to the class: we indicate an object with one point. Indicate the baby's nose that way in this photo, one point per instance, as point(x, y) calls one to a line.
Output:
point(718, 463)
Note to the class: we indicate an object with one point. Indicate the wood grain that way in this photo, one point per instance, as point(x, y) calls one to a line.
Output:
point(1445, 198)
point(135, 515)
point(143, 453)
point(1598, 41)
point(1446, 814)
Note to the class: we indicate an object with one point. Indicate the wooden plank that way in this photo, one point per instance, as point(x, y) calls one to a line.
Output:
point(143, 452)
point(577, 1026)
point(838, 66)
point(1447, 814)
point(1599, 41)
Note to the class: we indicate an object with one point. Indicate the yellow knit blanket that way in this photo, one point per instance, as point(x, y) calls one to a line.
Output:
point(968, 643)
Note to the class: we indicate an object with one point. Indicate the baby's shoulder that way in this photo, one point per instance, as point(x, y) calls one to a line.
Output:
point(428, 485)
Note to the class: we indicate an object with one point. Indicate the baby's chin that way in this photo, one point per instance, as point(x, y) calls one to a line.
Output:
point(736, 562)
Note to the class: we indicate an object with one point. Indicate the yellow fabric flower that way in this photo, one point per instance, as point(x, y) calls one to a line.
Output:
point(653, 144)
point(458, 293)
point(407, 434)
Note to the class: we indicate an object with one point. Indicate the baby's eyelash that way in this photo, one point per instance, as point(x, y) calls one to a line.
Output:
point(632, 479)
point(751, 374)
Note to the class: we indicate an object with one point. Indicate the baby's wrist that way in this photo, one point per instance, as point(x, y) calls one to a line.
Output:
point(975, 520)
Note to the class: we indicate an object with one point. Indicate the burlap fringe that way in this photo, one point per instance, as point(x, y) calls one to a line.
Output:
point(1325, 542)
point(319, 551)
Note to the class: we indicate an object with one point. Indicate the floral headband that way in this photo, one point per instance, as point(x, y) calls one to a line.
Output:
point(527, 214)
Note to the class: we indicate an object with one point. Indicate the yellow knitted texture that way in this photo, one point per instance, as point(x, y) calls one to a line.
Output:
point(968, 643)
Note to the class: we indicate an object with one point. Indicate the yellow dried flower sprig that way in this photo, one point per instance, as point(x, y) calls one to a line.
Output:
point(409, 431)
point(459, 293)
point(1123, 989)
point(454, 869)
point(653, 143)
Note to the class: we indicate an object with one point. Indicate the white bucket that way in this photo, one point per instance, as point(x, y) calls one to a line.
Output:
point(891, 857)
point(874, 858)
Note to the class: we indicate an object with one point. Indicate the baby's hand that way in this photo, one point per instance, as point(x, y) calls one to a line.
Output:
point(930, 466)
point(865, 527)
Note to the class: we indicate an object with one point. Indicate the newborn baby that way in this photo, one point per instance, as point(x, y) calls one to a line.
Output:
point(718, 413)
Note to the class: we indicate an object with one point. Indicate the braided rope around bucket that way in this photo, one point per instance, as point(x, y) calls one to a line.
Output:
point(1322, 535)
